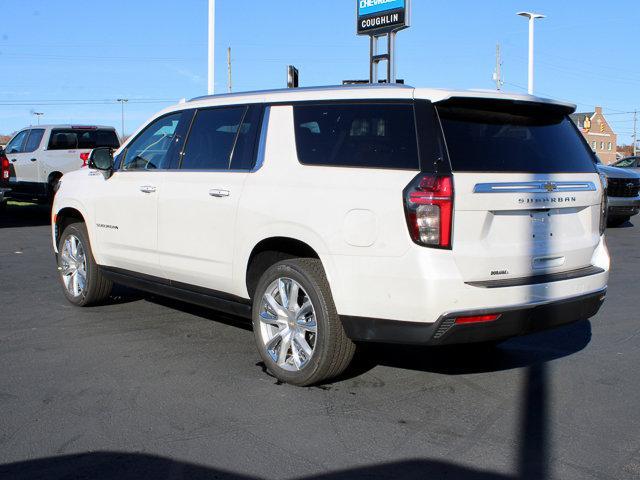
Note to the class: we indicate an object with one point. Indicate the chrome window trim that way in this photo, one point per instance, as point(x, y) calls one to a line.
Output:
point(535, 187)
point(260, 157)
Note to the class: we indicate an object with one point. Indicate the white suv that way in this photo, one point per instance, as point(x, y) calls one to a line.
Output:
point(36, 158)
point(337, 215)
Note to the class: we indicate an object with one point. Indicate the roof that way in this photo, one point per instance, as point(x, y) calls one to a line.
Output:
point(378, 91)
point(75, 125)
point(577, 117)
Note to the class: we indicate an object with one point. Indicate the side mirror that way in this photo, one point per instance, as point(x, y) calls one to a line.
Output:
point(101, 159)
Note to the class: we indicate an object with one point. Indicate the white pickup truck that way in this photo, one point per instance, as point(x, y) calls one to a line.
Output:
point(36, 158)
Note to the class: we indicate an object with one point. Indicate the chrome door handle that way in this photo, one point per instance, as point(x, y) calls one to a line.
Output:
point(148, 189)
point(219, 193)
point(34, 159)
point(14, 160)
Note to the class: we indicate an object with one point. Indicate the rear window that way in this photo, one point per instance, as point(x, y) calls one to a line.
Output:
point(357, 135)
point(513, 137)
point(83, 139)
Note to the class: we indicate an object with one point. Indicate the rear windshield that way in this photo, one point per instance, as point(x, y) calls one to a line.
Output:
point(511, 137)
point(357, 135)
point(82, 139)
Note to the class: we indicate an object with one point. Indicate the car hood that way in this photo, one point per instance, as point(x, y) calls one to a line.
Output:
point(615, 172)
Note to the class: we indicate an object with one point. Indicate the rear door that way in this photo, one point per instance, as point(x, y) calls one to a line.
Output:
point(30, 164)
point(527, 195)
point(199, 202)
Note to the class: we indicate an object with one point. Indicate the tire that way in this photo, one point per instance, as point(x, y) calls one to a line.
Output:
point(617, 221)
point(331, 349)
point(91, 290)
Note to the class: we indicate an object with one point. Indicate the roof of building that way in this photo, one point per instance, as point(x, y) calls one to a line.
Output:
point(578, 117)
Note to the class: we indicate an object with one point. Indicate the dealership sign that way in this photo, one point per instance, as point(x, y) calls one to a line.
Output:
point(377, 17)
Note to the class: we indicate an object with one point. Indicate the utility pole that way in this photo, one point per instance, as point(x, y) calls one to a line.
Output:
point(38, 115)
point(635, 133)
point(497, 74)
point(212, 42)
point(532, 18)
point(229, 69)
point(122, 101)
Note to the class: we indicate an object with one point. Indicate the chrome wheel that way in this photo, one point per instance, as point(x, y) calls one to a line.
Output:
point(73, 266)
point(288, 326)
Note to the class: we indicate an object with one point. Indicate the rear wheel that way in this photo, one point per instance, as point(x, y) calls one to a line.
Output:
point(82, 282)
point(297, 329)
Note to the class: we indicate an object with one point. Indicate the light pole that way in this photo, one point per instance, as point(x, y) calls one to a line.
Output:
point(212, 42)
point(38, 115)
point(122, 101)
point(532, 18)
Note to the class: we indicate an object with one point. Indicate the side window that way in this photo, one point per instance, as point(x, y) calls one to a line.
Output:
point(357, 135)
point(244, 153)
point(151, 149)
point(35, 138)
point(212, 138)
point(16, 145)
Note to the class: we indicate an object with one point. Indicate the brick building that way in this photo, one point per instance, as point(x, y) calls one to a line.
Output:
point(599, 134)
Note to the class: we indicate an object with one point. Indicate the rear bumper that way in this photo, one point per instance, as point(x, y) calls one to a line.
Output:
point(624, 206)
point(513, 322)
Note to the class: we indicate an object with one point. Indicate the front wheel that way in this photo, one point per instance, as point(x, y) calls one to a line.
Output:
point(81, 279)
point(297, 329)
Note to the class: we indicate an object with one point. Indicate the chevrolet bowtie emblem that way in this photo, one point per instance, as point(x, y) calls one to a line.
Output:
point(550, 187)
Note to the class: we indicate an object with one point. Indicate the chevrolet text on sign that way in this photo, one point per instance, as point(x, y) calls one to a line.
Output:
point(381, 16)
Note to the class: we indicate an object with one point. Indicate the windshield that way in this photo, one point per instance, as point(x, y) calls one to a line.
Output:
point(500, 136)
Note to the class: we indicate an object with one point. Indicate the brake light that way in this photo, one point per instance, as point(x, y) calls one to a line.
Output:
point(85, 158)
point(604, 204)
point(428, 203)
point(5, 167)
point(477, 319)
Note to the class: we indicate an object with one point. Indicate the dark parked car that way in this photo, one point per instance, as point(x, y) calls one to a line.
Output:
point(632, 163)
point(623, 193)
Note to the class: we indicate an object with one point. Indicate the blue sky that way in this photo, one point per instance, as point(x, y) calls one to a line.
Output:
point(72, 58)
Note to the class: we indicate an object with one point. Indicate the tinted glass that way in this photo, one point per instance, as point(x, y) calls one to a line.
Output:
point(513, 138)
point(212, 138)
point(33, 142)
point(627, 163)
point(244, 153)
point(357, 135)
point(151, 149)
point(16, 144)
point(85, 139)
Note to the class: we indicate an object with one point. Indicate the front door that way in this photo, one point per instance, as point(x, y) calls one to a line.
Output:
point(127, 213)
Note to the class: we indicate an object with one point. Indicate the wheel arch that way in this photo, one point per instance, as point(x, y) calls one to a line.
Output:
point(62, 219)
point(271, 250)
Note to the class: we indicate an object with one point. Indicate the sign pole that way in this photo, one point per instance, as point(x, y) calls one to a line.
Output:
point(379, 20)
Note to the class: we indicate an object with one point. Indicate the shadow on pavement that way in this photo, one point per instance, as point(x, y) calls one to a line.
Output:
point(17, 215)
point(127, 466)
point(468, 359)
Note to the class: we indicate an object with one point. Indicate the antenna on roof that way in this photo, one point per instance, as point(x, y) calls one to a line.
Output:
point(293, 77)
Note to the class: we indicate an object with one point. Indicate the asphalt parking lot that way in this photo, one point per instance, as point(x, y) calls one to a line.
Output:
point(148, 388)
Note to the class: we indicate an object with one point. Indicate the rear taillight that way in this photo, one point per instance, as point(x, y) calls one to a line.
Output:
point(85, 158)
point(5, 167)
point(604, 204)
point(428, 204)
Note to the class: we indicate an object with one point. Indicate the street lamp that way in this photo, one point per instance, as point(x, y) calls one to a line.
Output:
point(122, 101)
point(38, 115)
point(532, 18)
